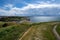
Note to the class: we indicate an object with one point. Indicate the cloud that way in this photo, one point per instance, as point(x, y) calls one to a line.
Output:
point(43, 2)
point(31, 9)
point(44, 5)
point(9, 5)
point(6, 13)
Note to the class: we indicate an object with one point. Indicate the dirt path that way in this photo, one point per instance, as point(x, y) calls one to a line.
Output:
point(55, 32)
point(34, 33)
point(25, 33)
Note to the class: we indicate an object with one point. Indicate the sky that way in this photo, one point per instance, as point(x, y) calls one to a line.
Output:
point(29, 7)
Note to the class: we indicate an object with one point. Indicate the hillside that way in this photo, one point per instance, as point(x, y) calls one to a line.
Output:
point(41, 31)
point(27, 31)
point(12, 30)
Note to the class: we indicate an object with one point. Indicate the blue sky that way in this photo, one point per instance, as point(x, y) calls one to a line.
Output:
point(29, 7)
point(22, 3)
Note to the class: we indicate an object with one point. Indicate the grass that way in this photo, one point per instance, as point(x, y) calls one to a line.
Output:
point(58, 29)
point(41, 31)
point(48, 34)
point(13, 32)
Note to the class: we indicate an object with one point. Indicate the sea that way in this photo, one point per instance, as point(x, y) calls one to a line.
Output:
point(44, 18)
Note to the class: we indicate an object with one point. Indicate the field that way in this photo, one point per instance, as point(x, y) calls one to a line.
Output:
point(41, 31)
point(27, 31)
point(12, 30)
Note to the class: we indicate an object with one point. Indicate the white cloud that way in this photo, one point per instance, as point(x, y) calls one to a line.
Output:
point(31, 6)
point(5, 12)
point(8, 6)
point(24, 10)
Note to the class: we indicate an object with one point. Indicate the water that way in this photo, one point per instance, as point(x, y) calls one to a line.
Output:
point(44, 19)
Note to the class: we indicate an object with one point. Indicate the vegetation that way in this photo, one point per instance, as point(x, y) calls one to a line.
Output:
point(48, 33)
point(58, 29)
point(13, 31)
point(12, 18)
point(39, 31)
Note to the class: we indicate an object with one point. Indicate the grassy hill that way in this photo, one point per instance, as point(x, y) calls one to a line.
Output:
point(38, 31)
point(13, 31)
point(41, 31)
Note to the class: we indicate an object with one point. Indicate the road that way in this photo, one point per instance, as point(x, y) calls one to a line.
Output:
point(55, 32)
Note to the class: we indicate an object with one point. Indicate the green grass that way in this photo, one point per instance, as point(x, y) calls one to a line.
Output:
point(13, 32)
point(48, 33)
point(58, 29)
point(38, 31)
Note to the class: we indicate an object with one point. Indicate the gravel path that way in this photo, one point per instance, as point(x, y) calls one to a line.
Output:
point(25, 33)
point(35, 33)
point(55, 32)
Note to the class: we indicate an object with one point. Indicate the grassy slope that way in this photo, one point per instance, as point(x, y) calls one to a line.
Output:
point(40, 31)
point(13, 31)
point(58, 29)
